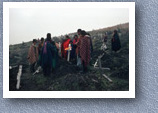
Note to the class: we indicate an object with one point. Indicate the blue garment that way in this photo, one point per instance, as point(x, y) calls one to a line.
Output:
point(47, 57)
point(55, 57)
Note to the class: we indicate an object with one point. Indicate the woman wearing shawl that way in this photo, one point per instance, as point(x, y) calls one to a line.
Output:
point(65, 45)
point(85, 48)
point(47, 56)
point(115, 42)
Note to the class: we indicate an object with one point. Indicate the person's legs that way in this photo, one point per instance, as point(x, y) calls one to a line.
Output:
point(49, 70)
point(83, 65)
point(39, 60)
point(84, 68)
point(44, 71)
point(78, 61)
point(32, 68)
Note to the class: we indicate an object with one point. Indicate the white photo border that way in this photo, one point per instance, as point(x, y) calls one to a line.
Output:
point(69, 94)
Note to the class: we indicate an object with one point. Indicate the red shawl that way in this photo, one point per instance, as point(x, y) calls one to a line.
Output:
point(85, 49)
point(64, 45)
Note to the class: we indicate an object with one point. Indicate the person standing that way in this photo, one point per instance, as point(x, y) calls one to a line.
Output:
point(75, 39)
point(47, 56)
point(65, 45)
point(115, 41)
point(104, 46)
point(105, 39)
point(40, 45)
point(78, 48)
point(85, 48)
point(33, 55)
point(72, 52)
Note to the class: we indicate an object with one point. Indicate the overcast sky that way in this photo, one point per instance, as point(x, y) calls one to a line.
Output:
point(26, 24)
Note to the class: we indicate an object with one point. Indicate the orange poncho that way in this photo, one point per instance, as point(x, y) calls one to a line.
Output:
point(64, 45)
point(33, 54)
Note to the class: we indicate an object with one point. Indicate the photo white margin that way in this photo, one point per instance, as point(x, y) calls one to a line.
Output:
point(69, 94)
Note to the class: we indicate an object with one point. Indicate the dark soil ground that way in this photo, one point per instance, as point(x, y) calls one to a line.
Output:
point(67, 76)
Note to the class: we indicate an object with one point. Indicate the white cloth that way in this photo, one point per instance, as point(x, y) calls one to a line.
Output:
point(103, 47)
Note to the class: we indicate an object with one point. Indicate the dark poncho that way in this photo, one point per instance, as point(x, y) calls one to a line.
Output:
point(115, 43)
point(47, 55)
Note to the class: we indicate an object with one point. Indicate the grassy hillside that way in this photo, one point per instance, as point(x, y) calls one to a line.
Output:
point(67, 76)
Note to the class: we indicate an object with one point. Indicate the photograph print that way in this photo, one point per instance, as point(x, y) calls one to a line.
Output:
point(59, 47)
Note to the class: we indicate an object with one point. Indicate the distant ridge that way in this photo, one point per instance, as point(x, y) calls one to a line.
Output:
point(101, 30)
point(120, 26)
point(92, 32)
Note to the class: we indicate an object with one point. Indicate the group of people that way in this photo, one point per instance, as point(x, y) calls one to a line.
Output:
point(81, 49)
point(45, 53)
point(115, 42)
